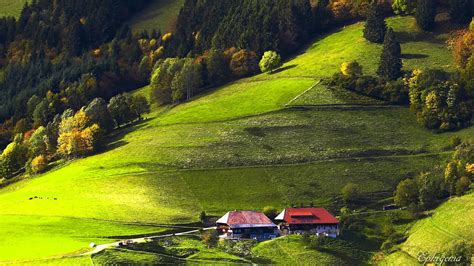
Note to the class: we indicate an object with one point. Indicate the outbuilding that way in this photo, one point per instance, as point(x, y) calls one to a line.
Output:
point(313, 220)
point(246, 225)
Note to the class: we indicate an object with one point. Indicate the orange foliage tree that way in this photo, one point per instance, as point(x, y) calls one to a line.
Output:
point(77, 137)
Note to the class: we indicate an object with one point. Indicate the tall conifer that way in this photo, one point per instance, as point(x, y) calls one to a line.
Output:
point(390, 65)
point(460, 11)
point(375, 27)
point(426, 14)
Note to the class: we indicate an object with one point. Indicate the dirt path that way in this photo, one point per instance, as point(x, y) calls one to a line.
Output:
point(102, 247)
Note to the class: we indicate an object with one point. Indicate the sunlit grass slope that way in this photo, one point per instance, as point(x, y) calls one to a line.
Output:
point(158, 15)
point(451, 221)
point(236, 147)
point(11, 7)
point(291, 251)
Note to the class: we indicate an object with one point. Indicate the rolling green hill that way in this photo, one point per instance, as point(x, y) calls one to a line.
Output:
point(451, 221)
point(11, 7)
point(158, 15)
point(237, 147)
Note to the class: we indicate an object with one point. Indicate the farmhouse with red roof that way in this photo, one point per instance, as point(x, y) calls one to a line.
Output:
point(246, 225)
point(315, 220)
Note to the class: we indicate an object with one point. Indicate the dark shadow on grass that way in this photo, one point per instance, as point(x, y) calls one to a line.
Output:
point(414, 56)
point(115, 139)
point(115, 145)
point(281, 69)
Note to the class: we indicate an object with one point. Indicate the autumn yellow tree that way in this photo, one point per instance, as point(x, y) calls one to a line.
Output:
point(77, 136)
point(38, 164)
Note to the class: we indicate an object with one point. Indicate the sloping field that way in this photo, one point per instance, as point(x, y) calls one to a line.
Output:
point(158, 15)
point(237, 147)
point(451, 221)
point(11, 7)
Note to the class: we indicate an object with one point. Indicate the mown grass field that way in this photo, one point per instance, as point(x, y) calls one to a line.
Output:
point(158, 15)
point(236, 147)
point(11, 7)
point(291, 251)
point(451, 221)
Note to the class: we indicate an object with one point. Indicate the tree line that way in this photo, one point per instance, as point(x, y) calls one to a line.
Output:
point(441, 101)
point(68, 135)
point(65, 53)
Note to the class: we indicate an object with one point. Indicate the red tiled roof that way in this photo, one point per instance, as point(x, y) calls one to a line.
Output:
point(245, 218)
point(309, 216)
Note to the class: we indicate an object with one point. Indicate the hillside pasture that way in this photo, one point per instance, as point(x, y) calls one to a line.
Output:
point(157, 15)
point(236, 147)
point(48, 236)
point(451, 221)
point(11, 7)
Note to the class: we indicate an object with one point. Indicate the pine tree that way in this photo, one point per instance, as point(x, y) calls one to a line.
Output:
point(390, 65)
point(460, 11)
point(375, 27)
point(426, 14)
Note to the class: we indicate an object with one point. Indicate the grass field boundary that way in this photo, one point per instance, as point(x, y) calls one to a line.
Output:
point(169, 226)
point(177, 258)
point(301, 94)
point(278, 165)
point(343, 107)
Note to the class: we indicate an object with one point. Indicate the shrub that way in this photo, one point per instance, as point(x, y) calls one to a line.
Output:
point(351, 69)
point(461, 43)
point(395, 92)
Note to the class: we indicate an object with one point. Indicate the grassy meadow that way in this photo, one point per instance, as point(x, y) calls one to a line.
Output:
point(450, 221)
point(237, 147)
point(11, 7)
point(158, 15)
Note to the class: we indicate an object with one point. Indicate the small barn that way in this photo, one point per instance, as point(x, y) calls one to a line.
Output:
point(314, 220)
point(246, 225)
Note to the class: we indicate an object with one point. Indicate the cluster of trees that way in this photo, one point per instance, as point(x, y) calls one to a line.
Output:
point(460, 11)
point(69, 135)
point(174, 80)
point(67, 53)
point(440, 102)
point(427, 189)
point(351, 78)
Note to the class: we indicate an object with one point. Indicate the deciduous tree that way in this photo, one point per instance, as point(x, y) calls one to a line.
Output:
point(406, 193)
point(270, 61)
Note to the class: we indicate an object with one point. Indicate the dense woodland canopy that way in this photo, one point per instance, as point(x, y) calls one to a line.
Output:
point(281, 25)
point(49, 49)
